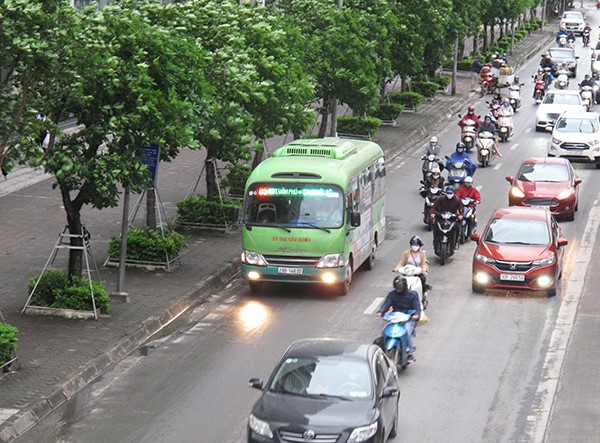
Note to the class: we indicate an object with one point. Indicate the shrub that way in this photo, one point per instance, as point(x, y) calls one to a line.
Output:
point(145, 244)
point(464, 64)
point(408, 99)
point(197, 209)
point(426, 89)
point(388, 111)
point(442, 80)
point(348, 124)
point(54, 290)
point(235, 180)
point(8, 342)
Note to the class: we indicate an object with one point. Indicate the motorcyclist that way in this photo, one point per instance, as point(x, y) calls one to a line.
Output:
point(415, 256)
point(547, 63)
point(470, 115)
point(588, 81)
point(468, 191)
point(560, 33)
point(517, 81)
point(434, 180)
point(449, 203)
point(489, 126)
point(461, 155)
point(434, 147)
point(571, 37)
point(404, 300)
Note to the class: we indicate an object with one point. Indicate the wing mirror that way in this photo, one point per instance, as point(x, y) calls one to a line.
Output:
point(577, 181)
point(355, 219)
point(390, 391)
point(509, 178)
point(256, 383)
point(475, 237)
point(562, 242)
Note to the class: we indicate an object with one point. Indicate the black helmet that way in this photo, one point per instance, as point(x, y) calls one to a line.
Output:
point(415, 239)
point(400, 279)
point(461, 145)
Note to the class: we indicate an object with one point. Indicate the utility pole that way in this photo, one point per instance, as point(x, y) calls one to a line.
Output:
point(333, 129)
point(454, 67)
point(120, 294)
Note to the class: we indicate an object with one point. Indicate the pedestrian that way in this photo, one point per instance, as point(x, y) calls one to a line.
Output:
point(475, 70)
point(4, 173)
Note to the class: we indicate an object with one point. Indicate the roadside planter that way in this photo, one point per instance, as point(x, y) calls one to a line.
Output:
point(197, 211)
point(8, 344)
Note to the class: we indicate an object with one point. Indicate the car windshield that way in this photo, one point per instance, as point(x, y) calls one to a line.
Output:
point(517, 231)
point(570, 124)
point(572, 15)
point(323, 376)
point(543, 172)
point(554, 98)
point(294, 205)
point(561, 53)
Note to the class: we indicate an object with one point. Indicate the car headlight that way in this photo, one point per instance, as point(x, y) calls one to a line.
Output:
point(556, 141)
point(331, 261)
point(363, 434)
point(252, 258)
point(567, 193)
point(544, 261)
point(516, 192)
point(260, 427)
point(484, 258)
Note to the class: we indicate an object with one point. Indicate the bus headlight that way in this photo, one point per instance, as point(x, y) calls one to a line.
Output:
point(331, 261)
point(252, 258)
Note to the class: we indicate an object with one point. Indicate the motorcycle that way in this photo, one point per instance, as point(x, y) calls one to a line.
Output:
point(485, 148)
point(469, 221)
point(445, 235)
point(430, 161)
point(488, 82)
point(393, 340)
point(548, 77)
point(539, 91)
point(562, 80)
point(468, 134)
point(587, 96)
point(414, 282)
point(562, 41)
point(505, 123)
point(494, 108)
point(586, 37)
point(457, 173)
point(431, 194)
point(514, 96)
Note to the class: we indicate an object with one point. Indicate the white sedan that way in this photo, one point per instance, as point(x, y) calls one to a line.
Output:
point(554, 104)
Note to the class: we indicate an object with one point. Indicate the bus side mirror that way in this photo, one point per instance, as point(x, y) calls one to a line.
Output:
point(234, 214)
point(355, 219)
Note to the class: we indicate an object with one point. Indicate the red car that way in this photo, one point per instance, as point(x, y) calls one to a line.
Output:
point(546, 181)
point(520, 248)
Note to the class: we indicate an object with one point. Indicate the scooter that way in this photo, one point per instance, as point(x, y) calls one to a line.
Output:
point(431, 194)
point(514, 96)
point(430, 161)
point(414, 283)
point(445, 232)
point(586, 97)
point(586, 37)
point(468, 134)
point(485, 148)
point(393, 340)
point(539, 91)
point(488, 83)
point(505, 123)
point(469, 221)
point(562, 80)
point(457, 173)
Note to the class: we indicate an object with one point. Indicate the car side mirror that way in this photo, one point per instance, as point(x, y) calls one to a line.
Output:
point(576, 56)
point(256, 383)
point(355, 219)
point(509, 178)
point(577, 181)
point(390, 391)
point(475, 237)
point(562, 242)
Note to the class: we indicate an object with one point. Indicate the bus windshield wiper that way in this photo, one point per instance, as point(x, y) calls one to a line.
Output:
point(312, 225)
point(270, 225)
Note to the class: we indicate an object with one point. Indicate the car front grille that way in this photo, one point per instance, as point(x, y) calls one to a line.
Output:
point(574, 146)
point(513, 266)
point(288, 260)
point(298, 437)
point(539, 201)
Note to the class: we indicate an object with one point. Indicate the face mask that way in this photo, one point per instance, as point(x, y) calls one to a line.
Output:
point(459, 150)
point(414, 247)
point(449, 196)
point(436, 176)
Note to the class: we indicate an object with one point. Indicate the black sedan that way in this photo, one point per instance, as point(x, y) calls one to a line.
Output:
point(330, 391)
point(564, 56)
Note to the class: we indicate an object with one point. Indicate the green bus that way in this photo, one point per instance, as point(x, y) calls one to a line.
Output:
point(314, 212)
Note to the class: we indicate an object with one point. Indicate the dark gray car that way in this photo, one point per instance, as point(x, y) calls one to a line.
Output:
point(564, 56)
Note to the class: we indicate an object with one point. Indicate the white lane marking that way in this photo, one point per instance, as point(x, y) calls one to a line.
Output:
point(6, 413)
point(527, 131)
point(498, 166)
point(373, 306)
point(513, 147)
point(555, 357)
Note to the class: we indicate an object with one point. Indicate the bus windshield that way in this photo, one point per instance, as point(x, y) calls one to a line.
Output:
point(303, 205)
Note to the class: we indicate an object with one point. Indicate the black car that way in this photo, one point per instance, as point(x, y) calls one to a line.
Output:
point(564, 56)
point(330, 391)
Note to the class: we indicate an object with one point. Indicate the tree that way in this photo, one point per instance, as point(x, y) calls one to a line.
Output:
point(124, 80)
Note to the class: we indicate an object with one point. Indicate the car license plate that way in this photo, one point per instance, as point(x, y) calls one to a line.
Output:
point(289, 270)
point(512, 277)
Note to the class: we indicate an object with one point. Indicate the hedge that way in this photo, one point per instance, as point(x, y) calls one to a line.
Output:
point(427, 89)
point(54, 290)
point(442, 80)
point(367, 126)
point(8, 342)
point(149, 245)
point(388, 111)
point(196, 209)
point(408, 99)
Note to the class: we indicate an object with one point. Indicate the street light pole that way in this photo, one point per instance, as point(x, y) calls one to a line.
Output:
point(120, 294)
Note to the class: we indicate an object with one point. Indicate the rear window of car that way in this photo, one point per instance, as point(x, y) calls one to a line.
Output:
point(562, 53)
point(517, 231)
point(580, 125)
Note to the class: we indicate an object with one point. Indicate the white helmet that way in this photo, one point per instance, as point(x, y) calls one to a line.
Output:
point(433, 140)
point(468, 180)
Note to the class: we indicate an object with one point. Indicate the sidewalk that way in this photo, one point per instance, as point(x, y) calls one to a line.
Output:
point(58, 357)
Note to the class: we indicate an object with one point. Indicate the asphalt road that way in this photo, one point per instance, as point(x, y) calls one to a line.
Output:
point(487, 366)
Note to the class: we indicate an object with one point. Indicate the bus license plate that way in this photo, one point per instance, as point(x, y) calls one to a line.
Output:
point(512, 277)
point(289, 270)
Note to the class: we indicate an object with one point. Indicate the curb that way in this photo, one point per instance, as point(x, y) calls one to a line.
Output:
point(15, 426)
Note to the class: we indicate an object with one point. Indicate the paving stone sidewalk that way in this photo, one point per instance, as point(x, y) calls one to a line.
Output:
point(58, 357)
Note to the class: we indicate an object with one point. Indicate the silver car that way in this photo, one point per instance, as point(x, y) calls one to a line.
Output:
point(576, 136)
point(554, 104)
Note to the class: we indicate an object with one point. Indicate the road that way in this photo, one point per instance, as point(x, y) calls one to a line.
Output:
point(487, 366)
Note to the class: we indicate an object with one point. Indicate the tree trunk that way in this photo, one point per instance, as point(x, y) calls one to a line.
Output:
point(75, 266)
point(492, 33)
point(324, 115)
point(212, 187)
point(403, 83)
point(151, 208)
point(475, 43)
point(258, 155)
point(485, 37)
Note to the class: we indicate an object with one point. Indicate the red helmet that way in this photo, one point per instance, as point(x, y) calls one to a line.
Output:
point(471, 109)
